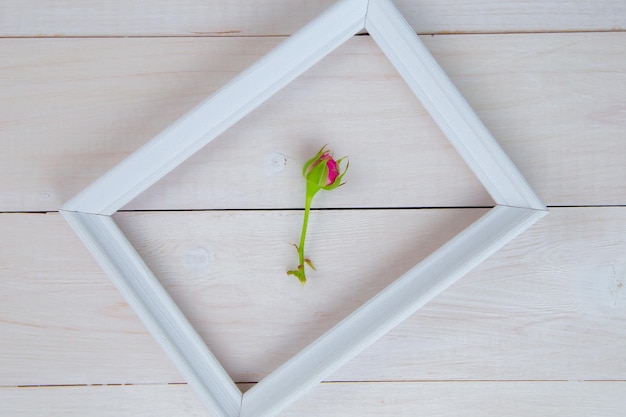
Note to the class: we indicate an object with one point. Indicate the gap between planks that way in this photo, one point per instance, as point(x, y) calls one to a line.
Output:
point(284, 209)
point(380, 382)
point(399, 381)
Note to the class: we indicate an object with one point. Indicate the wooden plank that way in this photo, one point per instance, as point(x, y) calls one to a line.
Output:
point(535, 93)
point(441, 399)
point(259, 18)
point(535, 310)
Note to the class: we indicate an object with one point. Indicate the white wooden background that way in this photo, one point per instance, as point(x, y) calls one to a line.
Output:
point(538, 329)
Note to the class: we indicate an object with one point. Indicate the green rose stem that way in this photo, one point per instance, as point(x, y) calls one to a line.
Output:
point(305, 225)
point(321, 172)
point(300, 248)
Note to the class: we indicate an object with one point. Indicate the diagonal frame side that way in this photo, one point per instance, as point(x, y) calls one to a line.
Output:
point(158, 312)
point(384, 311)
point(445, 104)
point(224, 108)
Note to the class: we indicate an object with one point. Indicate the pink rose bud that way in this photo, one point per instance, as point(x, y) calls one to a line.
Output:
point(322, 172)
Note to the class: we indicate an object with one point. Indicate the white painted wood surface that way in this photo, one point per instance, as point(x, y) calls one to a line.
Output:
point(534, 311)
point(547, 308)
point(263, 18)
point(554, 101)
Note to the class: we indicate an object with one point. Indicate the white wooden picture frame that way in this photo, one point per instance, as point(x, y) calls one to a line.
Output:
point(89, 213)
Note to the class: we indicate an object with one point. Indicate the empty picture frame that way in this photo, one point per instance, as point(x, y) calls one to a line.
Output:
point(89, 213)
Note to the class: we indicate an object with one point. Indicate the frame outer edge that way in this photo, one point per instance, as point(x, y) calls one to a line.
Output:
point(517, 208)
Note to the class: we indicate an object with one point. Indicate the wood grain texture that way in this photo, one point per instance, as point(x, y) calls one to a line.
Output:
point(441, 399)
point(72, 108)
point(546, 307)
point(262, 18)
